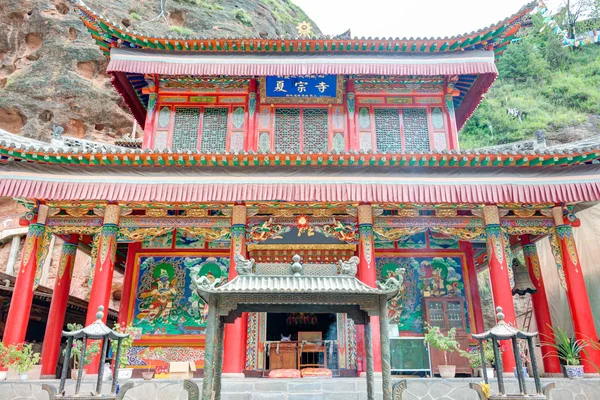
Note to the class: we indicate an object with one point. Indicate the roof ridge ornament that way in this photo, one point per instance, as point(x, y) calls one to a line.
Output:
point(304, 29)
point(350, 267)
point(243, 266)
point(393, 283)
point(202, 282)
point(297, 267)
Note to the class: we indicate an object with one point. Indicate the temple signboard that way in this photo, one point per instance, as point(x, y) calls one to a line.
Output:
point(302, 89)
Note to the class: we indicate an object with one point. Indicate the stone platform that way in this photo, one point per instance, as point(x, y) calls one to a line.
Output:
point(309, 389)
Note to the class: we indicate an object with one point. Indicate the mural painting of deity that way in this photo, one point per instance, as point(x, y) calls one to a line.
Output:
point(166, 302)
point(423, 277)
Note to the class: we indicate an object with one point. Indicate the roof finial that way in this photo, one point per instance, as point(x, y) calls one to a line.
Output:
point(100, 313)
point(304, 29)
point(499, 315)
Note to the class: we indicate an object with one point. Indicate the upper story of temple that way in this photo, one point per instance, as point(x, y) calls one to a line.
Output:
point(302, 96)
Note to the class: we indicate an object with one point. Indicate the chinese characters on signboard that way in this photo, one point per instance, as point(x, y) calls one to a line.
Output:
point(301, 86)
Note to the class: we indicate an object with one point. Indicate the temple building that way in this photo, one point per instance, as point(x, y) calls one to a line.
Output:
point(332, 153)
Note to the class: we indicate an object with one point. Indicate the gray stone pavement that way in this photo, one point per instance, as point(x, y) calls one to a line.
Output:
point(309, 389)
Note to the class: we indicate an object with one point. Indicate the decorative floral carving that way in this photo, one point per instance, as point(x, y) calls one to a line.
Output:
point(139, 234)
point(266, 230)
point(207, 233)
point(394, 234)
point(157, 212)
point(196, 212)
point(344, 232)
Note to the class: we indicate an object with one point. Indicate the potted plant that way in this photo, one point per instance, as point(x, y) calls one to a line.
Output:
point(473, 355)
point(22, 358)
point(525, 360)
point(3, 361)
point(568, 350)
point(126, 344)
point(91, 351)
point(151, 354)
point(445, 343)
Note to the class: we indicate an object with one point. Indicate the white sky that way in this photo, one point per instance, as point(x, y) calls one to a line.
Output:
point(399, 18)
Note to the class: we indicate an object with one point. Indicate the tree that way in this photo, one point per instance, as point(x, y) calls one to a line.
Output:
point(556, 54)
point(574, 10)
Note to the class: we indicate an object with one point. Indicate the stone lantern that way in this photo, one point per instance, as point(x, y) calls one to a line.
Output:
point(97, 330)
point(504, 331)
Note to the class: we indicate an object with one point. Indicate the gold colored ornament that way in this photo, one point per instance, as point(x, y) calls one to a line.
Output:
point(77, 212)
point(394, 234)
point(460, 233)
point(52, 211)
point(304, 29)
point(139, 234)
point(408, 212)
point(252, 247)
point(196, 212)
point(156, 212)
point(524, 212)
point(206, 233)
point(445, 212)
point(74, 230)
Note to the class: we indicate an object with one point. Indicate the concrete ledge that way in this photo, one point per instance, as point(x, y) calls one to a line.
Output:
point(313, 389)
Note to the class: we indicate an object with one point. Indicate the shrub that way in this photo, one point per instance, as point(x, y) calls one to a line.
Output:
point(181, 30)
point(241, 15)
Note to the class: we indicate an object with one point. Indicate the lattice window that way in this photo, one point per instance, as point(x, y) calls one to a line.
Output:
point(214, 130)
point(387, 130)
point(315, 130)
point(287, 130)
point(416, 130)
point(185, 129)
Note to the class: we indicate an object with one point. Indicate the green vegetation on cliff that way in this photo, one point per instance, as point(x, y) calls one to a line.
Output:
point(545, 86)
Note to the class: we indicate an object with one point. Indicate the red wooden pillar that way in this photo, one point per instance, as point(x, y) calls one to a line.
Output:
point(540, 306)
point(501, 289)
point(467, 248)
point(58, 308)
point(103, 269)
point(367, 272)
point(579, 302)
point(132, 249)
point(451, 91)
point(20, 304)
point(151, 90)
point(234, 356)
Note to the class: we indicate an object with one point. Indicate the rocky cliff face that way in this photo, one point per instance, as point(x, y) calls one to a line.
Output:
point(52, 72)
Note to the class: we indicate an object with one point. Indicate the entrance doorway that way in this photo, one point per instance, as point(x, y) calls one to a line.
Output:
point(285, 326)
point(302, 340)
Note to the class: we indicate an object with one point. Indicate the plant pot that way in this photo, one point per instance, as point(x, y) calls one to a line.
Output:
point(447, 371)
point(124, 374)
point(490, 372)
point(24, 376)
point(75, 374)
point(3, 375)
point(148, 375)
point(524, 369)
point(574, 371)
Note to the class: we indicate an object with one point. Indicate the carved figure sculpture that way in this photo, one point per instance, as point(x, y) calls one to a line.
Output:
point(243, 266)
point(204, 282)
point(349, 267)
point(392, 283)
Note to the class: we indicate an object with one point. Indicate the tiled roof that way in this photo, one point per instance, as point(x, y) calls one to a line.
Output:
point(496, 36)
